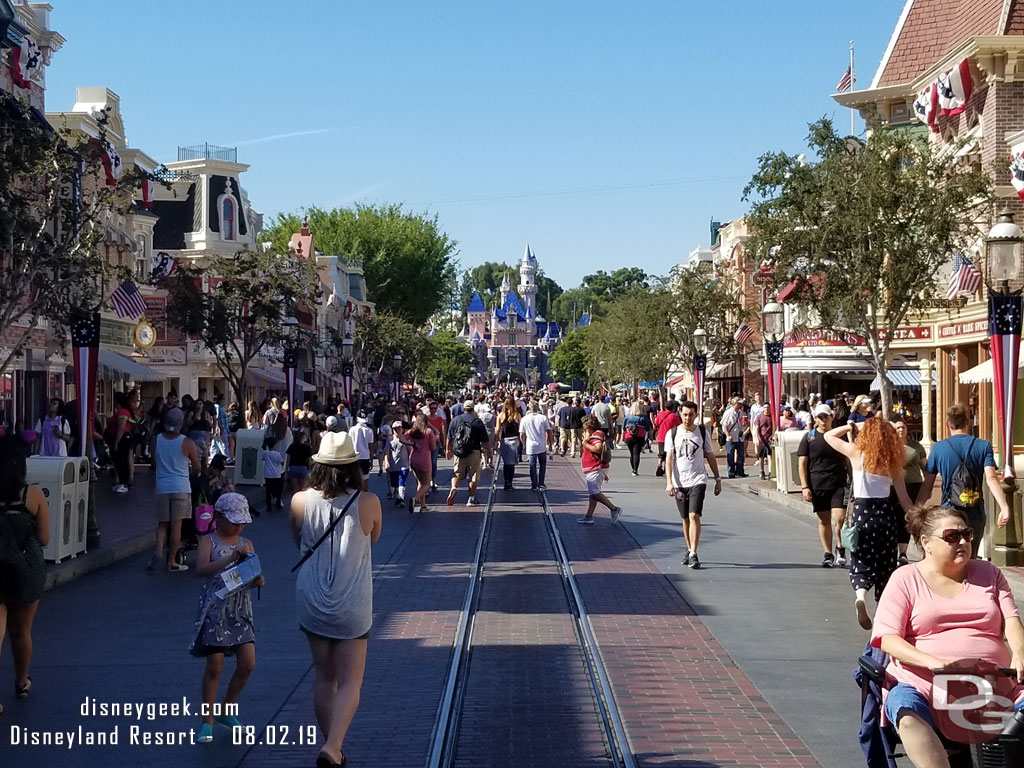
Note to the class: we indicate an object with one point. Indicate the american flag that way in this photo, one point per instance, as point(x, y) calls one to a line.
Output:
point(965, 278)
point(773, 355)
point(128, 302)
point(743, 333)
point(846, 81)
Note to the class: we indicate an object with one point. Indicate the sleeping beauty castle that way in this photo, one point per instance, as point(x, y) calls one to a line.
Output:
point(511, 341)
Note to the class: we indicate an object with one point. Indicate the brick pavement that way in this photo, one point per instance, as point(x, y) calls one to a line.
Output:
point(682, 698)
point(528, 697)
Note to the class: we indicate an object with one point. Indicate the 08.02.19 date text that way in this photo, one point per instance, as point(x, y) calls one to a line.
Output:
point(274, 735)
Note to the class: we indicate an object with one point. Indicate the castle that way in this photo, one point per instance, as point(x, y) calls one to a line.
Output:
point(511, 341)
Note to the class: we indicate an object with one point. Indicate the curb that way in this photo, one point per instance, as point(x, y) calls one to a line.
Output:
point(792, 501)
point(69, 570)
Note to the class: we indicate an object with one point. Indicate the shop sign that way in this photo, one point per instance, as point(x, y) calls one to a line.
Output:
point(166, 355)
point(911, 333)
point(965, 328)
point(156, 315)
point(115, 334)
point(821, 338)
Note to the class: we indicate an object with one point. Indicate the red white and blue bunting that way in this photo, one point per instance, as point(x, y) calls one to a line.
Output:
point(1004, 326)
point(291, 363)
point(773, 354)
point(26, 63)
point(947, 95)
point(1017, 173)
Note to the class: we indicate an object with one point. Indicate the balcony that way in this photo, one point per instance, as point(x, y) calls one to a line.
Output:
point(208, 152)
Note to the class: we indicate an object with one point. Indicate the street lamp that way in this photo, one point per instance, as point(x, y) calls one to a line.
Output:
point(773, 325)
point(700, 366)
point(1005, 310)
point(437, 378)
point(397, 361)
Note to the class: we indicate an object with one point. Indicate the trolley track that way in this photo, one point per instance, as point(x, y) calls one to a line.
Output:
point(553, 693)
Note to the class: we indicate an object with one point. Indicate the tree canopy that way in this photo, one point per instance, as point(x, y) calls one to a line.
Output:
point(570, 360)
point(596, 292)
point(408, 261)
point(865, 229)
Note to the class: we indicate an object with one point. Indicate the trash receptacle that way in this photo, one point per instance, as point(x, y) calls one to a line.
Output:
point(249, 457)
point(787, 467)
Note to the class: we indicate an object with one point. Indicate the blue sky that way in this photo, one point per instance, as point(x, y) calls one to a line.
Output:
point(607, 134)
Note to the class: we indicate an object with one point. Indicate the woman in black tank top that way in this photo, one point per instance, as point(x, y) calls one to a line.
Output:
point(506, 439)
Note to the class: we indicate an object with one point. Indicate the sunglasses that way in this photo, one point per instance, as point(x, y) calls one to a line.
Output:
point(954, 536)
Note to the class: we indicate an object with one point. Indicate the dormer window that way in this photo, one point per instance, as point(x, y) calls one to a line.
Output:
point(227, 218)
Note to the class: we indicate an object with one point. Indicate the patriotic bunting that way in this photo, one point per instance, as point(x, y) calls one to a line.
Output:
point(1004, 327)
point(773, 354)
point(347, 369)
point(1017, 174)
point(291, 362)
point(926, 106)
point(163, 266)
point(954, 89)
point(26, 62)
point(85, 343)
point(398, 386)
point(147, 189)
point(111, 162)
point(700, 366)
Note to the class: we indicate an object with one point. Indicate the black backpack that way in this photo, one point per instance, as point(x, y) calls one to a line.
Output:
point(14, 566)
point(964, 486)
point(462, 437)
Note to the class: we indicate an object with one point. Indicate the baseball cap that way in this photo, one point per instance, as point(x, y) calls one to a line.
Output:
point(173, 420)
point(822, 410)
point(332, 422)
point(397, 425)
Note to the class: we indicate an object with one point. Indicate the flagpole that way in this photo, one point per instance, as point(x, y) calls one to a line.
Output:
point(853, 87)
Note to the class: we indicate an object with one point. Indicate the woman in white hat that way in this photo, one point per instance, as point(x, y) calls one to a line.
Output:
point(334, 588)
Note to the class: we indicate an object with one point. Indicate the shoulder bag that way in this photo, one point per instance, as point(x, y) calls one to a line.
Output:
point(328, 532)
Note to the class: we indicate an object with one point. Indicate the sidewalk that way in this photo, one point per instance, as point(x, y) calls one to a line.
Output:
point(766, 489)
point(126, 524)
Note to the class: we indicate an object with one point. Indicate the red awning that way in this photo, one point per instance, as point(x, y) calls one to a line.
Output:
point(673, 382)
point(788, 291)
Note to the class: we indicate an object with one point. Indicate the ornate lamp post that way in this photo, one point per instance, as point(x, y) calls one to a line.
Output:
point(1005, 310)
point(397, 361)
point(773, 326)
point(700, 366)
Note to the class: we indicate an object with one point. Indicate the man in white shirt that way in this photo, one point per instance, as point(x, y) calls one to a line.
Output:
point(687, 447)
point(533, 432)
point(362, 441)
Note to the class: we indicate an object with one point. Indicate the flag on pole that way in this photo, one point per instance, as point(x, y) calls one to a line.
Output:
point(85, 343)
point(147, 189)
point(773, 354)
point(700, 365)
point(291, 362)
point(846, 81)
point(1004, 327)
point(965, 278)
point(743, 333)
point(163, 265)
point(128, 301)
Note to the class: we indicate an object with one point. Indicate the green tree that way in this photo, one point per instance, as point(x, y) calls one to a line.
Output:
point(237, 304)
point(570, 360)
point(377, 339)
point(448, 365)
point(54, 208)
point(865, 229)
point(408, 261)
point(486, 279)
point(596, 292)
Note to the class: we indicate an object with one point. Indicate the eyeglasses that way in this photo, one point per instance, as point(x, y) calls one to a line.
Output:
point(954, 536)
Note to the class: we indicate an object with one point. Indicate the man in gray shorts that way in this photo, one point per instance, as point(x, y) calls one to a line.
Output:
point(687, 447)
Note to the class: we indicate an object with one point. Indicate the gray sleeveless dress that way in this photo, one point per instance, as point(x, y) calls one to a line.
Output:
point(334, 588)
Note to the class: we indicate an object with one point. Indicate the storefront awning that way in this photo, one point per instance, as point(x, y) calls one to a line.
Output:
point(856, 366)
point(907, 378)
point(271, 379)
point(116, 366)
point(983, 373)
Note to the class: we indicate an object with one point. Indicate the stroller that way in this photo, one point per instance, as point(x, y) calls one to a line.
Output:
point(879, 743)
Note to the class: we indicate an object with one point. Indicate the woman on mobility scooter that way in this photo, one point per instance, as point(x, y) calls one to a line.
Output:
point(946, 612)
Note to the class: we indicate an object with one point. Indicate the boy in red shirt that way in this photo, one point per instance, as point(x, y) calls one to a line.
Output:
point(665, 421)
point(594, 470)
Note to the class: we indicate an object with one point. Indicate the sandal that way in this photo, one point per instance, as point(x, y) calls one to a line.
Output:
point(21, 689)
point(177, 567)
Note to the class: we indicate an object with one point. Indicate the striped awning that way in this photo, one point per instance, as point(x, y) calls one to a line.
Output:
point(906, 378)
point(116, 366)
point(272, 379)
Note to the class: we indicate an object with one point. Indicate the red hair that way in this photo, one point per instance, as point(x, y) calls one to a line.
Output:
point(881, 447)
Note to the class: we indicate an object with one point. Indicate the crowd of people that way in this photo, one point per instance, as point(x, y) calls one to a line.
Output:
point(866, 479)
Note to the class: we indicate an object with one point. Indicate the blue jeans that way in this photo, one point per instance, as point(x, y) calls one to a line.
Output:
point(536, 478)
point(734, 457)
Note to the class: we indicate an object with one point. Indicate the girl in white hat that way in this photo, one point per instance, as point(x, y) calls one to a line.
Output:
point(224, 626)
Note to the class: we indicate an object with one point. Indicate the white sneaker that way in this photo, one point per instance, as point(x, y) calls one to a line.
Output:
point(472, 502)
point(586, 521)
point(120, 489)
point(616, 514)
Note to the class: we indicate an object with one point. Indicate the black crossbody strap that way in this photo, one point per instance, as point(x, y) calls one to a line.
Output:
point(328, 532)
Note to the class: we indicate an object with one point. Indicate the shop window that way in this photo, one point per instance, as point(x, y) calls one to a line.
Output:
point(141, 258)
point(227, 218)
